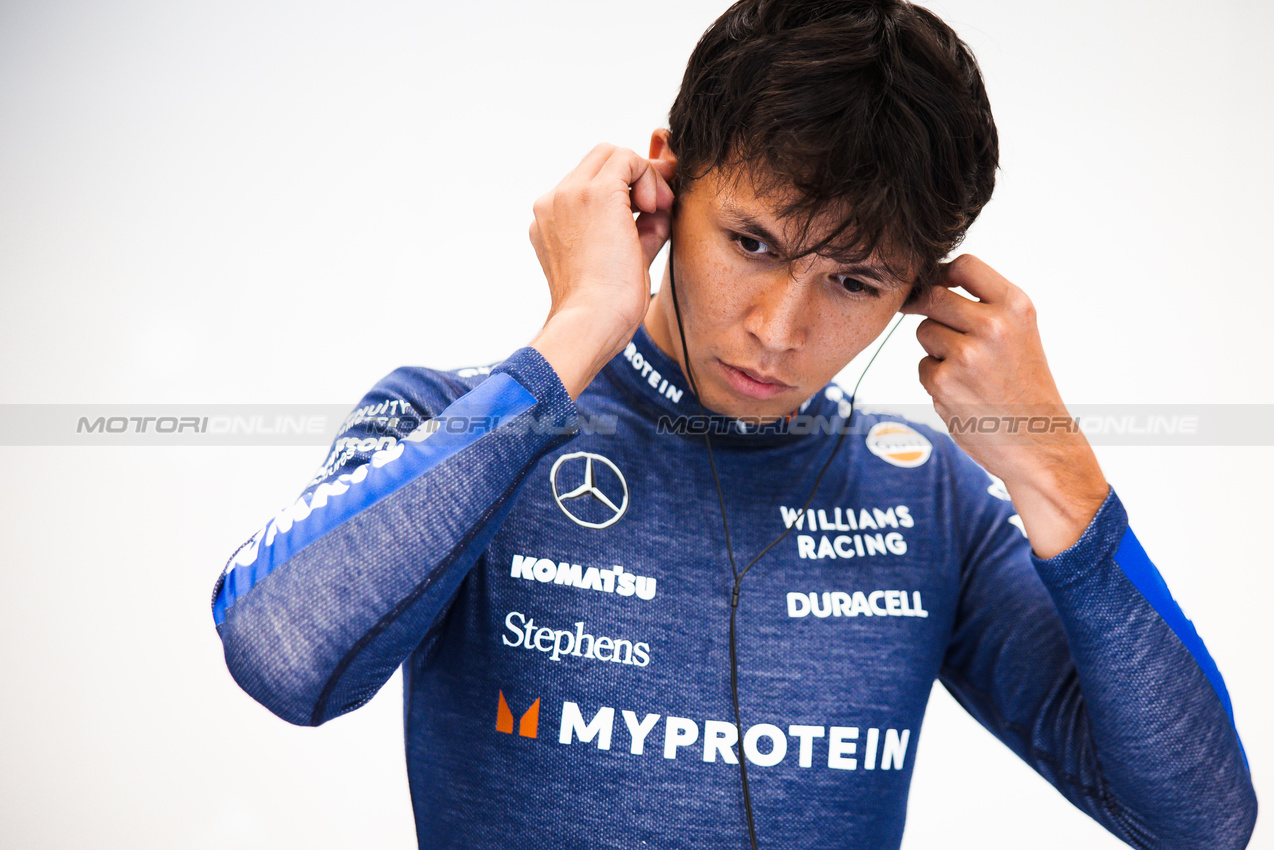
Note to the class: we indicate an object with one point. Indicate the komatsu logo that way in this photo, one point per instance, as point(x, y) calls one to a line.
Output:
point(612, 579)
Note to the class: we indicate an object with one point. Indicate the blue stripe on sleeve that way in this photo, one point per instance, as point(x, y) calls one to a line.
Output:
point(493, 402)
point(1136, 565)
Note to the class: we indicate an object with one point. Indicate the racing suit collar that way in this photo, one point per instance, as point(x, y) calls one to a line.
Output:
point(660, 388)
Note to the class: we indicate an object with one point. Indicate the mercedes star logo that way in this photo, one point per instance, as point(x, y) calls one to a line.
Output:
point(597, 476)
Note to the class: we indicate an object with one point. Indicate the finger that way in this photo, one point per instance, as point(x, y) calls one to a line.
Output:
point(919, 306)
point(665, 196)
point(976, 278)
point(661, 189)
point(533, 232)
point(941, 382)
point(667, 168)
point(636, 172)
point(928, 367)
point(939, 340)
point(593, 161)
point(653, 230)
point(645, 192)
point(950, 308)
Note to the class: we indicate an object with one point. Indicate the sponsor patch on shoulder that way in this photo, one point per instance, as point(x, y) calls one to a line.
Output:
point(899, 444)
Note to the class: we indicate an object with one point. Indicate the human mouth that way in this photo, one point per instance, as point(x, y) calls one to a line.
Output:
point(752, 384)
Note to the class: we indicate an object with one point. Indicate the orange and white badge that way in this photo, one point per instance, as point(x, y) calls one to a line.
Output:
point(899, 444)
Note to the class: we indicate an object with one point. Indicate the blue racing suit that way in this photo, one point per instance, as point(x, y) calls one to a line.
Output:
point(552, 577)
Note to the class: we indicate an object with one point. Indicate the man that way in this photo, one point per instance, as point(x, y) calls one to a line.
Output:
point(654, 583)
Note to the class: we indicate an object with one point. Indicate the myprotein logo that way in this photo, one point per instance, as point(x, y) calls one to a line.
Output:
point(613, 579)
point(528, 725)
point(657, 382)
point(589, 488)
point(823, 745)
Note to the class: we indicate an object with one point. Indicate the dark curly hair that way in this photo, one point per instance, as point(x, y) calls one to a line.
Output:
point(870, 111)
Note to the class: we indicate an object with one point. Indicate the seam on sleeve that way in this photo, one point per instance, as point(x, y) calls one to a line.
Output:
point(394, 613)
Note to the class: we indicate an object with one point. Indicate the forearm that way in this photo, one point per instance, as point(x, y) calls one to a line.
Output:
point(1154, 706)
point(333, 595)
point(577, 345)
point(1058, 492)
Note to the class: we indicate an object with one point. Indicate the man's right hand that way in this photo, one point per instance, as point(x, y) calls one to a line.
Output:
point(597, 259)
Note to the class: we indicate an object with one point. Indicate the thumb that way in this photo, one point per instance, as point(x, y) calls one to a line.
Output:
point(923, 305)
point(653, 230)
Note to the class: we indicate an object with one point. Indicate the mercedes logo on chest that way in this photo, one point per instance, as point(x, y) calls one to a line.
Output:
point(589, 489)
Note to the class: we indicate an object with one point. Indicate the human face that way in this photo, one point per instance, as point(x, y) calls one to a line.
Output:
point(764, 332)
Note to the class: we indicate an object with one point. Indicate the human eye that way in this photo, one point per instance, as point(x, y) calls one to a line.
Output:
point(856, 286)
point(751, 247)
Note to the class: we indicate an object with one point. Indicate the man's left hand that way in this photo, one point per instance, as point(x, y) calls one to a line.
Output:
point(991, 384)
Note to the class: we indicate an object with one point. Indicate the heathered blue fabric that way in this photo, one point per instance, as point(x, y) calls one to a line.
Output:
point(481, 410)
point(452, 574)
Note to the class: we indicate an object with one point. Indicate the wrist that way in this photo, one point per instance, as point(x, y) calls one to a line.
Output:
point(1058, 498)
point(577, 346)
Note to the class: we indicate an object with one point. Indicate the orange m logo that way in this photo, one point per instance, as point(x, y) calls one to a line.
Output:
point(527, 726)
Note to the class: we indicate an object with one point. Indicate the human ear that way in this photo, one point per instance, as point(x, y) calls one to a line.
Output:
point(661, 154)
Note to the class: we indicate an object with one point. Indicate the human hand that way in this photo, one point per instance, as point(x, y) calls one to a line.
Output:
point(595, 257)
point(991, 384)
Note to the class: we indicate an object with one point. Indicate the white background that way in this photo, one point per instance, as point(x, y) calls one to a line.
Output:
point(280, 202)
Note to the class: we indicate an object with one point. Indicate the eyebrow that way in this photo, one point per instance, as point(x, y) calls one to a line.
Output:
point(746, 220)
point(750, 221)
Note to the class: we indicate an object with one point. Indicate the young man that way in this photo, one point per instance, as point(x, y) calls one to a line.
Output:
point(654, 583)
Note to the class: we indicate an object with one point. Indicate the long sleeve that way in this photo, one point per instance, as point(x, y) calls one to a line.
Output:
point(1086, 668)
point(319, 608)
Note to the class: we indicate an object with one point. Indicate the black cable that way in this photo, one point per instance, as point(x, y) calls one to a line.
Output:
point(738, 575)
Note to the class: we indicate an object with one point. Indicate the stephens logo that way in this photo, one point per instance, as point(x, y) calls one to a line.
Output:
point(601, 497)
point(564, 643)
point(898, 444)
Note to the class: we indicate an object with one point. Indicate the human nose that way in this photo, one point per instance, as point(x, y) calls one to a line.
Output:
point(778, 316)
